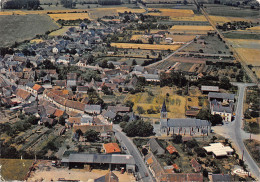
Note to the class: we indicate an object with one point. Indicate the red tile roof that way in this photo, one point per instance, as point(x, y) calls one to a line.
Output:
point(112, 148)
point(37, 87)
point(22, 94)
point(58, 113)
point(171, 149)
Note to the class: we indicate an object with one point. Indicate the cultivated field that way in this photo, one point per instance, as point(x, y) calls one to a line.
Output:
point(145, 46)
point(191, 28)
point(173, 12)
point(25, 12)
point(189, 18)
point(69, 16)
point(22, 28)
point(224, 19)
point(251, 56)
point(14, 169)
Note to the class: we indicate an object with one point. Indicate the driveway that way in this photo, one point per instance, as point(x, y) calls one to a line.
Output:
point(236, 134)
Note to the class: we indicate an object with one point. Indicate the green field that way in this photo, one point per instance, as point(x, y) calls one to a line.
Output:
point(17, 28)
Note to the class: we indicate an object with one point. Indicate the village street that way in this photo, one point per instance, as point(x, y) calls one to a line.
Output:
point(236, 134)
point(131, 149)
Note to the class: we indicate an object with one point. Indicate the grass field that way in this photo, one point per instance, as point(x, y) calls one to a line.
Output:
point(61, 31)
point(69, 16)
point(15, 169)
point(22, 28)
point(257, 71)
point(25, 12)
point(175, 104)
point(36, 41)
point(144, 46)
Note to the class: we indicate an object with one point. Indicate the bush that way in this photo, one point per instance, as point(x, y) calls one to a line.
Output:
point(91, 135)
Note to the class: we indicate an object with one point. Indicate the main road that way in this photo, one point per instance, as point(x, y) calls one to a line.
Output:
point(143, 172)
point(236, 134)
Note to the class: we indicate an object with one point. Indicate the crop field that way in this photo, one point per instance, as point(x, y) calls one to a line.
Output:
point(173, 12)
point(189, 18)
point(22, 28)
point(145, 46)
point(189, 28)
point(251, 56)
point(175, 103)
point(37, 41)
point(222, 10)
point(224, 19)
point(69, 16)
point(245, 43)
point(15, 169)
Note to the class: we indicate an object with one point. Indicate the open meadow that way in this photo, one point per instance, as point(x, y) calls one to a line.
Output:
point(23, 27)
point(15, 169)
point(175, 103)
point(145, 46)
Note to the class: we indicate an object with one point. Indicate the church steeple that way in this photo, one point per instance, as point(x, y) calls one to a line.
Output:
point(164, 111)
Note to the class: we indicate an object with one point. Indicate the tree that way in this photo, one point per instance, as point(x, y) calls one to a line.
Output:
point(79, 132)
point(177, 139)
point(62, 120)
point(151, 40)
point(225, 83)
point(138, 128)
point(213, 139)
point(140, 110)
point(91, 135)
point(33, 120)
point(144, 151)
point(111, 66)
point(192, 143)
point(134, 62)
point(200, 152)
point(216, 119)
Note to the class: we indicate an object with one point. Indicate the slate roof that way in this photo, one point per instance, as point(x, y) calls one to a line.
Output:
point(184, 122)
point(221, 96)
point(97, 128)
point(109, 177)
point(155, 146)
point(109, 114)
point(221, 177)
point(102, 158)
point(210, 88)
point(164, 107)
point(217, 107)
point(93, 108)
point(118, 109)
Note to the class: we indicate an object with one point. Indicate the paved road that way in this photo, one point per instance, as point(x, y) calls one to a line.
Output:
point(125, 141)
point(235, 133)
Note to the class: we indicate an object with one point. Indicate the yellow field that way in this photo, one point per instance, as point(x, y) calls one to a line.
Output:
point(144, 46)
point(257, 71)
point(250, 55)
point(69, 16)
point(245, 41)
point(19, 12)
point(190, 18)
point(175, 104)
point(224, 19)
point(191, 28)
point(36, 41)
point(252, 29)
point(60, 31)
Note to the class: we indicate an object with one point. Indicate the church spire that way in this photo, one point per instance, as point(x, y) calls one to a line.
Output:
point(164, 111)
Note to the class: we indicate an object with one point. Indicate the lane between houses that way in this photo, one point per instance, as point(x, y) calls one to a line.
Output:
point(142, 168)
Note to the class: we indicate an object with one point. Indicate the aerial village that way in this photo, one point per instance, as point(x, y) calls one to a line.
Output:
point(118, 98)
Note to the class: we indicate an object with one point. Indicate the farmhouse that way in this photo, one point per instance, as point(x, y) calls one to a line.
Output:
point(111, 161)
point(225, 111)
point(223, 97)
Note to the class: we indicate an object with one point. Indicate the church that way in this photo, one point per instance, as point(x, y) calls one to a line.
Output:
point(182, 126)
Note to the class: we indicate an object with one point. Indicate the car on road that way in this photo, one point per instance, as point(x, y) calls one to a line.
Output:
point(124, 148)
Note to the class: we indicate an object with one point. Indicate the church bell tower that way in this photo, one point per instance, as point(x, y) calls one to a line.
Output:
point(164, 111)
